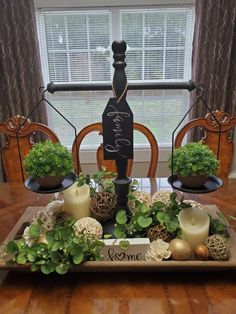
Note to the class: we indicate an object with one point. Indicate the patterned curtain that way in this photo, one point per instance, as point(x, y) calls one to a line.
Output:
point(214, 55)
point(20, 71)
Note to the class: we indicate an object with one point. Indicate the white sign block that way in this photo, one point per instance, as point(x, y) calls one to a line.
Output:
point(135, 252)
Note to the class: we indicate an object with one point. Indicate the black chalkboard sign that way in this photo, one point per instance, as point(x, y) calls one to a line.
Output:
point(117, 120)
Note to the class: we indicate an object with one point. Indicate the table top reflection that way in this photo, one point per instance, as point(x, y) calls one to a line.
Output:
point(114, 293)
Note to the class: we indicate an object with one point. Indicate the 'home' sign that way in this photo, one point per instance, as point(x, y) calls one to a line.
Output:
point(135, 252)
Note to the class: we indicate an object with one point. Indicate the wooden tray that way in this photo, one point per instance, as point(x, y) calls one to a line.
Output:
point(107, 266)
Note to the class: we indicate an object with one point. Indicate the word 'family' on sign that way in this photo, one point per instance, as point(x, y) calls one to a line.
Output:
point(117, 122)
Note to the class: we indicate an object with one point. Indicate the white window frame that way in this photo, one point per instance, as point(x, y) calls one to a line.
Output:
point(142, 154)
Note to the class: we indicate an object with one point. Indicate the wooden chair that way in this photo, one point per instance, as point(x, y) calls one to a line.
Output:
point(110, 164)
point(10, 153)
point(210, 137)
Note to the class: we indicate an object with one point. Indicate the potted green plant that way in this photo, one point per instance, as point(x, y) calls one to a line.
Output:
point(193, 163)
point(48, 163)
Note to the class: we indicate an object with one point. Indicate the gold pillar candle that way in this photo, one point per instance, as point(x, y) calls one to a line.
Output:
point(77, 200)
point(194, 223)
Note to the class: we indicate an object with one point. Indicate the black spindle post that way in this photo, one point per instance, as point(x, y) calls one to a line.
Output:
point(119, 87)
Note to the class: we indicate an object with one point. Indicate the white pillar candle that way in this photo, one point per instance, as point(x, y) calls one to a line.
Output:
point(77, 200)
point(194, 223)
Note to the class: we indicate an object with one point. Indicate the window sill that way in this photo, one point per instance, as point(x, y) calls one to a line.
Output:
point(88, 156)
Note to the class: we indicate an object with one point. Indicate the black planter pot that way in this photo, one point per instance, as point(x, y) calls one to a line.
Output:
point(50, 181)
point(196, 181)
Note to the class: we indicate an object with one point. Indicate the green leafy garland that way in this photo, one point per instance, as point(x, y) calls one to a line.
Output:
point(163, 214)
point(62, 251)
point(144, 217)
point(101, 180)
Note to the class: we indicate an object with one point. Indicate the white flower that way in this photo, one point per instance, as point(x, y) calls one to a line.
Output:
point(158, 251)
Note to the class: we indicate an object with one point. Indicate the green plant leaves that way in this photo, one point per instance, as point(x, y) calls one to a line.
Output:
point(34, 230)
point(61, 252)
point(57, 245)
point(120, 232)
point(124, 244)
point(62, 268)
point(121, 217)
point(12, 247)
point(48, 159)
point(194, 159)
point(21, 258)
point(48, 268)
point(144, 222)
point(77, 255)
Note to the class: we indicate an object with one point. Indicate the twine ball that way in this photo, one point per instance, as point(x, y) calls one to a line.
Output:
point(103, 205)
point(159, 232)
point(142, 197)
point(219, 247)
point(161, 196)
point(89, 228)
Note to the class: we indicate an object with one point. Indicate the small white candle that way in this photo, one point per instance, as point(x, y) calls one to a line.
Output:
point(77, 200)
point(195, 224)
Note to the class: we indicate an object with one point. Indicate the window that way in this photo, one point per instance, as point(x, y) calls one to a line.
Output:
point(76, 48)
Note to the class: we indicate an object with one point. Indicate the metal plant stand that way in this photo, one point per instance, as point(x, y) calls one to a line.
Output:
point(120, 88)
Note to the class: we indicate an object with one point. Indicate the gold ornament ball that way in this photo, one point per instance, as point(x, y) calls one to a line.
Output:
point(180, 249)
point(201, 252)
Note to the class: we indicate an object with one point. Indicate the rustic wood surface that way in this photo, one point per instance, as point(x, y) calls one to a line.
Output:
point(112, 293)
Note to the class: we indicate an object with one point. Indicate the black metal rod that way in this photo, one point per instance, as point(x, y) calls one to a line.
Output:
point(52, 88)
point(17, 134)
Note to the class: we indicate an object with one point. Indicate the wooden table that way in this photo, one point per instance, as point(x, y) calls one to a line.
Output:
point(113, 293)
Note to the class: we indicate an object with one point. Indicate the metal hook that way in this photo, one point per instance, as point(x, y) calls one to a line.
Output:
point(200, 90)
point(42, 90)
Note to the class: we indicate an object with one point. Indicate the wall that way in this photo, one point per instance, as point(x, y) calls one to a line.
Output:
point(140, 166)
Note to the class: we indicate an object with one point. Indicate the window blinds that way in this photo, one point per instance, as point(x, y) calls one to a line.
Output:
point(76, 47)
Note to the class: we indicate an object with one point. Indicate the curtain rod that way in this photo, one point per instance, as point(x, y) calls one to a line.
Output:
point(52, 88)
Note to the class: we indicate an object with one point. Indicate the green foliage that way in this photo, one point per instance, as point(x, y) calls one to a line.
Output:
point(62, 251)
point(100, 181)
point(144, 217)
point(48, 159)
point(219, 225)
point(194, 159)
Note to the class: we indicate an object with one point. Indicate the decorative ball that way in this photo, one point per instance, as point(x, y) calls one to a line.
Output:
point(201, 252)
point(219, 247)
point(142, 197)
point(88, 227)
point(161, 196)
point(159, 232)
point(180, 249)
point(103, 205)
